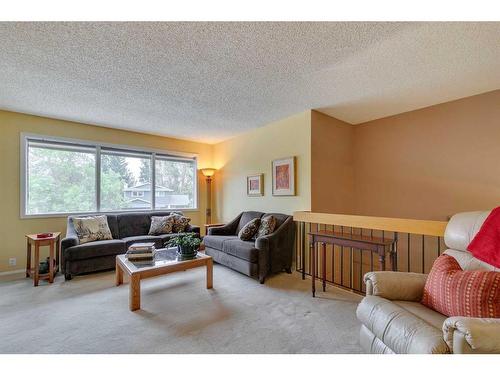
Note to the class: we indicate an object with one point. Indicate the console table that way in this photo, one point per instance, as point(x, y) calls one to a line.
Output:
point(374, 244)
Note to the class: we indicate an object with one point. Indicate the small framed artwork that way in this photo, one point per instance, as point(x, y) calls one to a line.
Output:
point(284, 176)
point(255, 185)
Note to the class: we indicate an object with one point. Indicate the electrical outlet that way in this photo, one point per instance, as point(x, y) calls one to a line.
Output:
point(12, 261)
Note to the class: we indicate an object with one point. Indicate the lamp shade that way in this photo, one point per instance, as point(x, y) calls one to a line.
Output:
point(208, 172)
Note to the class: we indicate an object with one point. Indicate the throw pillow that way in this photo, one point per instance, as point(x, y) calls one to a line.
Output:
point(161, 225)
point(454, 292)
point(249, 230)
point(92, 228)
point(267, 226)
point(180, 222)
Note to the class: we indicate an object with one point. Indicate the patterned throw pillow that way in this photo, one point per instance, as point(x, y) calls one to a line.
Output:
point(267, 226)
point(454, 292)
point(180, 223)
point(161, 225)
point(249, 230)
point(92, 228)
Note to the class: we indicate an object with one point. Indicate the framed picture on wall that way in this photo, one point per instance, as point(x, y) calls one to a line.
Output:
point(255, 185)
point(284, 176)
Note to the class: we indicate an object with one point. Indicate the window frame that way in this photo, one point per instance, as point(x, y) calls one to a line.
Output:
point(24, 149)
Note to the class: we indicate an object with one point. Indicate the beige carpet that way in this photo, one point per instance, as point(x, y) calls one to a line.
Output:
point(90, 315)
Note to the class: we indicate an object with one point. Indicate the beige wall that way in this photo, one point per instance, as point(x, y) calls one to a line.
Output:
point(12, 228)
point(430, 163)
point(252, 153)
point(332, 169)
point(425, 164)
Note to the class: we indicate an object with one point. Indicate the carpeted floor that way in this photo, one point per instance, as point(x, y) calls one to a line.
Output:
point(90, 315)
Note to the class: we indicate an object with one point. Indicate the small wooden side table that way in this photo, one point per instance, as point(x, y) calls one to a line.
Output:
point(54, 242)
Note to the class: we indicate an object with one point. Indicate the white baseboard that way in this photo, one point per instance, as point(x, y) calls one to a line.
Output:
point(12, 272)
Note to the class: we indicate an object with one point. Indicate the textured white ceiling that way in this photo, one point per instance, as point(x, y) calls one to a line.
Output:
point(211, 81)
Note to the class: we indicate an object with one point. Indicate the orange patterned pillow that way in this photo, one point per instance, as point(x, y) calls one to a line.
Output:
point(454, 292)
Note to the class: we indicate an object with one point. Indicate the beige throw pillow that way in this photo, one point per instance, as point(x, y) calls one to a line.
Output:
point(161, 225)
point(92, 228)
point(249, 230)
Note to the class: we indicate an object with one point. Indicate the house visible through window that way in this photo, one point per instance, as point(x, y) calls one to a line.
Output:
point(75, 177)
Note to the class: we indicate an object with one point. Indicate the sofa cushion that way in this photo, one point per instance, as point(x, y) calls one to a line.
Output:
point(431, 317)
point(133, 239)
point(241, 249)
point(249, 230)
point(280, 218)
point(267, 225)
point(161, 225)
point(216, 242)
point(133, 224)
point(180, 224)
point(95, 249)
point(247, 217)
point(454, 292)
point(399, 329)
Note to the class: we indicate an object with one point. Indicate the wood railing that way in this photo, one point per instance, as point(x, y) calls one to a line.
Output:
point(418, 244)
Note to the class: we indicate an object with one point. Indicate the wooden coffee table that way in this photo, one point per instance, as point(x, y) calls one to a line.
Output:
point(166, 261)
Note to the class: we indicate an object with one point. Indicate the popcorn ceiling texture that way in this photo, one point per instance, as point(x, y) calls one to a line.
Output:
point(211, 81)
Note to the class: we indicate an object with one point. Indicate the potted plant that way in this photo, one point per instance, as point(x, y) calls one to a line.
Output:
point(187, 245)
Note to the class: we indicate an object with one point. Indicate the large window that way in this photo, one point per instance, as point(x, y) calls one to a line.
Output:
point(68, 176)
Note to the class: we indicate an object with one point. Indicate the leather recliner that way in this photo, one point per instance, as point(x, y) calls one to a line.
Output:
point(394, 321)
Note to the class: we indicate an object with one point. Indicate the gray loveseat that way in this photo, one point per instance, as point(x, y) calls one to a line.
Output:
point(126, 229)
point(256, 258)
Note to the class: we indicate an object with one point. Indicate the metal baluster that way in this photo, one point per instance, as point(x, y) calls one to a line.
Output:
point(303, 249)
point(333, 258)
point(439, 246)
point(342, 260)
point(351, 270)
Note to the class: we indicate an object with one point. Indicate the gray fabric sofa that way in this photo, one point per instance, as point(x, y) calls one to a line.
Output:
point(256, 258)
point(126, 229)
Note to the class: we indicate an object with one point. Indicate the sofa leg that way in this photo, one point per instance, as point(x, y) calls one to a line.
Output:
point(67, 276)
point(262, 279)
point(288, 270)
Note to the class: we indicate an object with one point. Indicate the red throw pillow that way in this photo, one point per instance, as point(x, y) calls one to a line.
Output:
point(454, 292)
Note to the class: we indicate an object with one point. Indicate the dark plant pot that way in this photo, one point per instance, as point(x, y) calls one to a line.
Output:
point(186, 252)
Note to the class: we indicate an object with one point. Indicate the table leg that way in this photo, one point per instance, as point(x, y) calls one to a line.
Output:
point(135, 293)
point(323, 248)
point(118, 274)
point(210, 273)
point(313, 268)
point(51, 263)
point(28, 257)
point(37, 264)
point(58, 254)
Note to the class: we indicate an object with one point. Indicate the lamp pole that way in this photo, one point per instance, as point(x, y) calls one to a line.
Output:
point(209, 200)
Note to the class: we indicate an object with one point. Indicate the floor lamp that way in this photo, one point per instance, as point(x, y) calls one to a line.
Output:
point(208, 173)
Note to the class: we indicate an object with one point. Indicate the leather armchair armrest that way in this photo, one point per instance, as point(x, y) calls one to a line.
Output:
point(472, 335)
point(402, 286)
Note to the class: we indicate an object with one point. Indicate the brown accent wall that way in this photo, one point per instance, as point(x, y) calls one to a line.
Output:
point(332, 172)
point(424, 164)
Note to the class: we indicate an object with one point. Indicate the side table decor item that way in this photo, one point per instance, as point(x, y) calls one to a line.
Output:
point(187, 245)
point(43, 270)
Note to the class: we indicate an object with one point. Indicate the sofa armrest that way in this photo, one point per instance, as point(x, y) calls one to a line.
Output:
point(472, 335)
point(402, 286)
point(225, 230)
